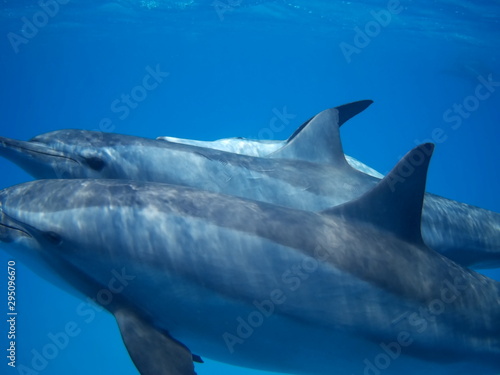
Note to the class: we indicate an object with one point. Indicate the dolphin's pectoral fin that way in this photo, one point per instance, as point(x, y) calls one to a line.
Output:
point(395, 203)
point(318, 139)
point(154, 352)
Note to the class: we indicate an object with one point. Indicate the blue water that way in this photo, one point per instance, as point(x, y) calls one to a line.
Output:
point(231, 69)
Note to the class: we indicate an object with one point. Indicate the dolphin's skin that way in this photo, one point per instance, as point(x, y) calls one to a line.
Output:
point(351, 290)
point(309, 173)
point(259, 148)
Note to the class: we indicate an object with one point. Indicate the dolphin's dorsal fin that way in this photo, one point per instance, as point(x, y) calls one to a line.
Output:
point(152, 350)
point(349, 110)
point(318, 139)
point(395, 203)
point(346, 112)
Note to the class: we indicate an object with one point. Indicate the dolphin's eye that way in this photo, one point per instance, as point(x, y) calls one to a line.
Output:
point(95, 163)
point(53, 238)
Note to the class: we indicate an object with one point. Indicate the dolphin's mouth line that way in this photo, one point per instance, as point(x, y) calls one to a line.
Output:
point(31, 150)
point(14, 228)
point(11, 220)
point(55, 155)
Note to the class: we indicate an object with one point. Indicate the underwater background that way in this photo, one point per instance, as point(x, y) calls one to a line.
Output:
point(248, 68)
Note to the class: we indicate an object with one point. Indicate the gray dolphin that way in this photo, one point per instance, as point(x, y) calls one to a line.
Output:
point(350, 290)
point(310, 172)
point(259, 148)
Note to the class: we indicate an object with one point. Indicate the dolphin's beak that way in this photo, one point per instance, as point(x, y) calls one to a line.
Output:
point(35, 158)
point(9, 229)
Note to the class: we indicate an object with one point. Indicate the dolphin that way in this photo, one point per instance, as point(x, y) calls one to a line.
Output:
point(259, 148)
point(309, 173)
point(351, 290)
point(265, 147)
